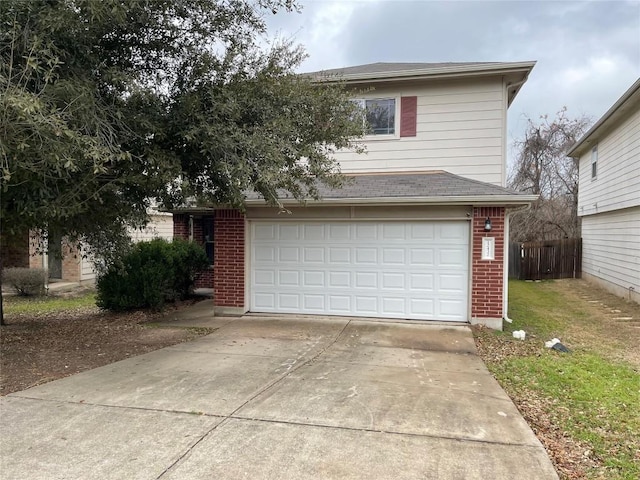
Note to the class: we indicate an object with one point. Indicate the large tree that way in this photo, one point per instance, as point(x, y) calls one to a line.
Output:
point(542, 168)
point(106, 104)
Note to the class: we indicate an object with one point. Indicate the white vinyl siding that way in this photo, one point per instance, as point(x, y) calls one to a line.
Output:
point(617, 184)
point(86, 269)
point(611, 247)
point(159, 226)
point(410, 270)
point(459, 129)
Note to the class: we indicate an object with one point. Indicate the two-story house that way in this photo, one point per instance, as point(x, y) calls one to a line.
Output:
point(609, 197)
point(418, 234)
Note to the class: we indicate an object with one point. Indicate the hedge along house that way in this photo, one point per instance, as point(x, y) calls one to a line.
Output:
point(419, 233)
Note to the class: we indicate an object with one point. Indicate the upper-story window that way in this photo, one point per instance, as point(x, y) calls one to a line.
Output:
point(594, 162)
point(379, 115)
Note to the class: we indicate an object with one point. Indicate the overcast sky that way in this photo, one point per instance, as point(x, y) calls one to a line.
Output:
point(588, 52)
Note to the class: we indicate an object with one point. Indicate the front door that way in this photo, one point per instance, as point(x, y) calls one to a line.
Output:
point(54, 255)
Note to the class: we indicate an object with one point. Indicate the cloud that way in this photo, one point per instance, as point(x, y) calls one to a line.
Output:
point(588, 52)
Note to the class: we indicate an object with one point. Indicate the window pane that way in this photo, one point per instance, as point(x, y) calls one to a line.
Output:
point(381, 116)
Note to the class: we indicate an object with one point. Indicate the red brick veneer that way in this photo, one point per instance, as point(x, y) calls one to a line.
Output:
point(487, 275)
point(228, 266)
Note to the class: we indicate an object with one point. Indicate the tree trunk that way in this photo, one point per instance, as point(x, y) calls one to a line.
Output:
point(1, 297)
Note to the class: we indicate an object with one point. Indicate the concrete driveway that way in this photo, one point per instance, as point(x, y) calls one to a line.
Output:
point(278, 398)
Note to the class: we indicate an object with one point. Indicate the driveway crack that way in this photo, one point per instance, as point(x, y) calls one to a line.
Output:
point(256, 395)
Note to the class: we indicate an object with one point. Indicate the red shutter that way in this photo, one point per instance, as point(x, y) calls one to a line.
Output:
point(408, 116)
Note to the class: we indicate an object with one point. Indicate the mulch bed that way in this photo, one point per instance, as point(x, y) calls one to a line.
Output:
point(38, 349)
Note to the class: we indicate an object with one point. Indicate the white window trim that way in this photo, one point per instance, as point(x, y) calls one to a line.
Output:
point(594, 161)
point(393, 136)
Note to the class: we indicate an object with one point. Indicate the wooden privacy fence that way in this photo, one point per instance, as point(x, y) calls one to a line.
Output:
point(545, 260)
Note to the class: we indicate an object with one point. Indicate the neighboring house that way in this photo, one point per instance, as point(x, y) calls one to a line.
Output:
point(64, 262)
point(420, 231)
point(609, 197)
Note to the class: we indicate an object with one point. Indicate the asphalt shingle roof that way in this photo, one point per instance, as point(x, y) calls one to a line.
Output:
point(408, 185)
point(389, 67)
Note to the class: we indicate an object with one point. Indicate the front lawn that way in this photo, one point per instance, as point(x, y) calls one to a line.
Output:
point(50, 337)
point(584, 406)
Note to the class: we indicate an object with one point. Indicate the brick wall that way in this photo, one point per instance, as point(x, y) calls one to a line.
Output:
point(15, 250)
point(70, 262)
point(228, 267)
point(181, 226)
point(487, 275)
point(181, 230)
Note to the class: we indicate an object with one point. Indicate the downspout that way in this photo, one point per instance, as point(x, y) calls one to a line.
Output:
point(191, 228)
point(45, 267)
point(505, 266)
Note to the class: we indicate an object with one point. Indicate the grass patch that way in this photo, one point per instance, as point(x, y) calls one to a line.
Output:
point(541, 309)
point(47, 304)
point(588, 394)
point(593, 399)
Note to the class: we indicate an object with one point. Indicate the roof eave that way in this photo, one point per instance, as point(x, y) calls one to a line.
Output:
point(437, 72)
point(583, 143)
point(515, 200)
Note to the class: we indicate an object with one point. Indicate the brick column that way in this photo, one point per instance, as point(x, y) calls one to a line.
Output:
point(487, 275)
point(228, 266)
point(181, 226)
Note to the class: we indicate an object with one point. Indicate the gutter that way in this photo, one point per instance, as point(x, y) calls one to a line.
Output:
point(438, 72)
point(515, 200)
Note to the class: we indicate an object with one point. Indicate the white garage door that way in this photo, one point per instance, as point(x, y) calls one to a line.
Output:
point(414, 270)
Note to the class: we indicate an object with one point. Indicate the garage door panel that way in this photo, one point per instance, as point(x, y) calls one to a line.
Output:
point(393, 256)
point(394, 306)
point(421, 281)
point(341, 255)
point(289, 278)
point(423, 308)
point(264, 254)
point(289, 232)
point(366, 280)
point(394, 231)
point(313, 255)
point(313, 303)
point(448, 257)
point(289, 301)
point(289, 255)
point(339, 231)
point(368, 256)
point(366, 231)
point(422, 231)
point(453, 232)
point(450, 308)
point(313, 278)
point(393, 281)
point(264, 232)
point(264, 278)
point(366, 304)
point(339, 279)
point(265, 301)
point(313, 232)
point(340, 303)
point(451, 283)
point(416, 270)
point(422, 256)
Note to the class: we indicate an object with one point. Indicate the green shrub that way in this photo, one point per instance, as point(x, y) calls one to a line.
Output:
point(151, 274)
point(25, 281)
